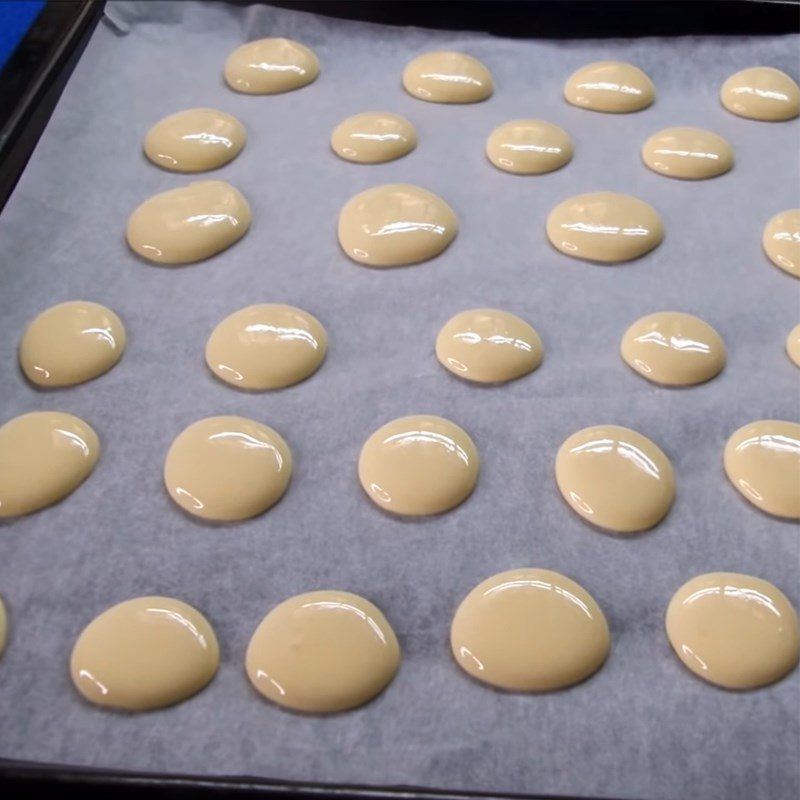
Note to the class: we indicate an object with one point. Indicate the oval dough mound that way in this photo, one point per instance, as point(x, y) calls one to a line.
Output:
point(71, 343)
point(271, 66)
point(189, 224)
point(761, 93)
point(688, 153)
point(323, 652)
point(529, 630)
point(144, 653)
point(418, 465)
point(735, 631)
point(614, 87)
point(195, 140)
point(444, 76)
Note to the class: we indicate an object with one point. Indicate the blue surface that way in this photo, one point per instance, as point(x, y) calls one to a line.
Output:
point(16, 18)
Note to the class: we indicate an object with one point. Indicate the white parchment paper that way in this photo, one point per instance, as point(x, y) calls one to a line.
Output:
point(643, 727)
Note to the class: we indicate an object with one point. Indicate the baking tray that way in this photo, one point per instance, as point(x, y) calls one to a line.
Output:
point(747, 528)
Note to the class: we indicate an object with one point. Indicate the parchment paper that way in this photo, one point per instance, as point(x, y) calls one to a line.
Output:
point(643, 726)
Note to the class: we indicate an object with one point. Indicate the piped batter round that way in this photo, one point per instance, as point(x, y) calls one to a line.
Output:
point(762, 460)
point(227, 468)
point(71, 343)
point(781, 241)
point(144, 653)
point(373, 137)
point(271, 66)
point(487, 345)
point(195, 140)
point(189, 224)
point(528, 147)
point(793, 344)
point(323, 652)
point(604, 226)
point(44, 456)
point(615, 478)
point(761, 93)
point(418, 465)
point(267, 346)
point(673, 349)
point(395, 225)
point(444, 76)
point(732, 630)
point(688, 153)
point(529, 630)
point(614, 87)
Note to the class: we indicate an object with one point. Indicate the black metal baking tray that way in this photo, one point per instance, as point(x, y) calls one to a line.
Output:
point(30, 85)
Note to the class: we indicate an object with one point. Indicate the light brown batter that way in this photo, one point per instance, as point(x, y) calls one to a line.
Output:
point(444, 76)
point(373, 137)
point(144, 653)
point(529, 630)
point(267, 346)
point(761, 93)
point(673, 349)
point(615, 478)
point(418, 465)
point(529, 147)
point(733, 630)
point(3, 626)
point(195, 140)
point(604, 226)
point(44, 456)
point(762, 460)
point(488, 345)
point(71, 343)
point(189, 224)
point(271, 66)
point(227, 468)
point(396, 224)
point(615, 87)
point(688, 153)
point(793, 344)
point(323, 652)
point(781, 241)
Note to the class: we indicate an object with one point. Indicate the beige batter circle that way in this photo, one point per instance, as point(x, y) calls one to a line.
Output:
point(615, 478)
point(267, 346)
point(673, 349)
point(762, 460)
point(271, 66)
point(71, 343)
point(44, 456)
point(418, 465)
point(793, 344)
point(781, 241)
point(735, 631)
point(373, 137)
point(195, 140)
point(444, 76)
point(761, 93)
point(615, 87)
point(604, 226)
point(189, 224)
point(529, 630)
point(529, 147)
point(227, 468)
point(488, 345)
point(3, 626)
point(395, 225)
point(688, 153)
point(323, 652)
point(144, 653)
